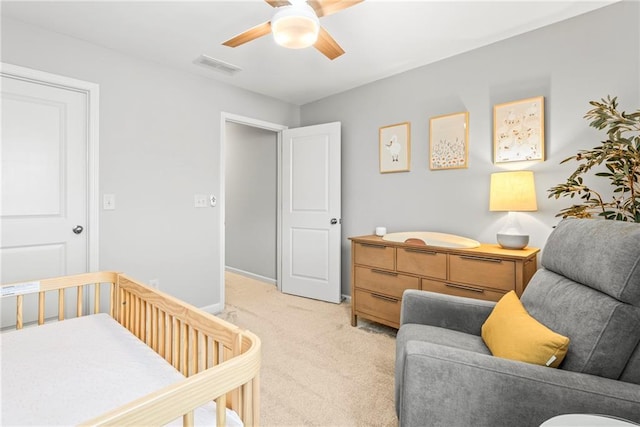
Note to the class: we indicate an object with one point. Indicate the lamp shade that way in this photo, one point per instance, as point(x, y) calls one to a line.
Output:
point(512, 191)
point(295, 26)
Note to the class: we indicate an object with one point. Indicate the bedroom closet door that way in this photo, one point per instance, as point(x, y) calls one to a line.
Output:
point(311, 212)
point(45, 179)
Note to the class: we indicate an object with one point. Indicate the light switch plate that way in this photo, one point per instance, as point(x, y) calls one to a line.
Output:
point(200, 200)
point(108, 202)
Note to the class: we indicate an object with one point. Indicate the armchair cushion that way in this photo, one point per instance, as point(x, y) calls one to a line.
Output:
point(604, 332)
point(604, 255)
point(511, 333)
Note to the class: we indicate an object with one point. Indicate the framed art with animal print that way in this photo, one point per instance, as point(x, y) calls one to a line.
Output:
point(449, 141)
point(518, 130)
point(395, 148)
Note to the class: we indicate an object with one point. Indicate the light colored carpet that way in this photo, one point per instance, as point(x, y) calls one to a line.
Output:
point(317, 370)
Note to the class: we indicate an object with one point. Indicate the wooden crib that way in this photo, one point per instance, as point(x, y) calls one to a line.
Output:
point(220, 362)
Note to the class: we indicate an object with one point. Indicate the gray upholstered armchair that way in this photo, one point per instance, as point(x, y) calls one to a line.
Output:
point(588, 289)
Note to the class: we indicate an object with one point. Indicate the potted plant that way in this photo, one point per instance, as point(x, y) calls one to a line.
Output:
point(620, 154)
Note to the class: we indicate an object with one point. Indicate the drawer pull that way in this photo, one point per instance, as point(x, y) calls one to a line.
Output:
point(385, 298)
point(388, 273)
point(465, 288)
point(421, 252)
point(371, 245)
point(477, 258)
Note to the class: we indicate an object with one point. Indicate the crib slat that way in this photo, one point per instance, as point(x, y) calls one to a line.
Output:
point(236, 351)
point(19, 300)
point(143, 321)
point(161, 333)
point(153, 342)
point(120, 308)
point(60, 304)
point(112, 297)
point(40, 308)
point(192, 352)
point(255, 401)
point(79, 301)
point(247, 395)
point(202, 352)
point(216, 350)
point(96, 300)
point(187, 419)
point(221, 410)
point(169, 339)
point(125, 309)
point(175, 343)
point(136, 318)
point(184, 347)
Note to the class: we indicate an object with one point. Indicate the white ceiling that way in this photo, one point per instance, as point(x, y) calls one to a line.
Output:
point(380, 37)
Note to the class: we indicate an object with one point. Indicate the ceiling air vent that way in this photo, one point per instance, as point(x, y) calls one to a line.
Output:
point(217, 65)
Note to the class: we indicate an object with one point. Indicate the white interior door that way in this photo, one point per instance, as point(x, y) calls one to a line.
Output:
point(44, 210)
point(311, 212)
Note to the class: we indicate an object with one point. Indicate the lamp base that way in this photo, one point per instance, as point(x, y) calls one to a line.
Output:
point(512, 241)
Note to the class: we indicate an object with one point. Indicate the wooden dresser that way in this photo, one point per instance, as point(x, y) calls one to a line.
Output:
point(382, 270)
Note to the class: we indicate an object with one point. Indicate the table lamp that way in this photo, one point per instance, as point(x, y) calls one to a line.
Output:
point(512, 192)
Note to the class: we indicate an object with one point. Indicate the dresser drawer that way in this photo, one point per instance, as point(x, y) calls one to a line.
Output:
point(379, 306)
point(422, 262)
point(483, 271)
point(384, 282)
point(375, 255)
point(461, 290)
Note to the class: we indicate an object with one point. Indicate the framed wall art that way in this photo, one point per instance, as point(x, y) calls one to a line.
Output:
point(448, 141)
point(518, 130)
point(395, 148)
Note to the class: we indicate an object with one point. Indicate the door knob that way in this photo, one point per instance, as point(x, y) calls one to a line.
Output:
point(78, 229)
point(334, 221)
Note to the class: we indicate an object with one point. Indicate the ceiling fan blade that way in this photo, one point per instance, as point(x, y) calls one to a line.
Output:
point(278, 3)
point(327, 45)
point(249, 35)
point(329, 7)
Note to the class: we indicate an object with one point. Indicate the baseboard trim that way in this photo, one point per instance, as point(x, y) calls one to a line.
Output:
point(251, 275)
point(346, 298)
point(213, 308)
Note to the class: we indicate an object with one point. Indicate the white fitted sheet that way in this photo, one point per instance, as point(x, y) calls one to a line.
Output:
point(64, 373)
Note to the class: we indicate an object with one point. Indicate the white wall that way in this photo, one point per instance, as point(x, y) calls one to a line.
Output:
point(251, 196)
point(159, 145)
point(570, 63)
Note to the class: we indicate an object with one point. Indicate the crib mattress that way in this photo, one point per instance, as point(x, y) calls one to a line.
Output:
point(64, 373)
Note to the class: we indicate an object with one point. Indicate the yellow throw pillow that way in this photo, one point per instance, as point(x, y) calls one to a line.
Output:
point(511, 333)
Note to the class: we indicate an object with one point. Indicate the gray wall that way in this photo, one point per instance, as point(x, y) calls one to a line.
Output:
point(160, 130)
point(159, 145)
point(250, 192)
point(570, 63)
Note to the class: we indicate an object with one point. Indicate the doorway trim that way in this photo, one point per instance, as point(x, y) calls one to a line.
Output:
point(92, 92)
point(260, 124)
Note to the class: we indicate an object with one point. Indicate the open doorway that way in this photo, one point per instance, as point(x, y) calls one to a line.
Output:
point(251, 201)
point(249, 237)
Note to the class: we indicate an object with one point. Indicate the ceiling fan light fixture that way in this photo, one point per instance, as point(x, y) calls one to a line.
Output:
point(295, 26)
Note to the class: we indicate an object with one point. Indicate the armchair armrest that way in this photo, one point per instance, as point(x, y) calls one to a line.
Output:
point(448, 386)
point(446, 311)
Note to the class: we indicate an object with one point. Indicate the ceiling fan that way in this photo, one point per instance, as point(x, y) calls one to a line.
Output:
point(296, 25)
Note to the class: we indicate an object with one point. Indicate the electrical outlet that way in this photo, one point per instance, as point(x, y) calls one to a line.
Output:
point(154, 283)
